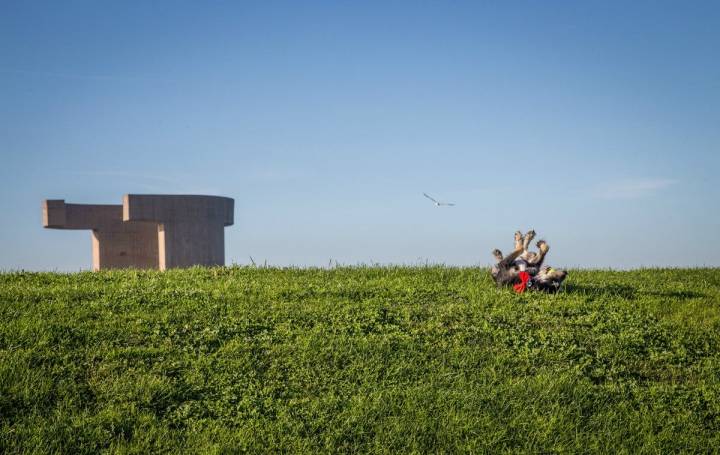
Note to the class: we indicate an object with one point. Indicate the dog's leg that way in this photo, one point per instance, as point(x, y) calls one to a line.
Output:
point(510, 258)
point(528, 255)
point(518, 240)
point(528, 238)
point(540, 257)
point(498, 255)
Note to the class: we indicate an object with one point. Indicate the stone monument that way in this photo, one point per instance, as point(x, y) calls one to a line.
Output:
point(115, 244)
point(149, 231)
point(191, 229)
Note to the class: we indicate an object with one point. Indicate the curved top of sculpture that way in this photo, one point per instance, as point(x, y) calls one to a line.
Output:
point(178, 207)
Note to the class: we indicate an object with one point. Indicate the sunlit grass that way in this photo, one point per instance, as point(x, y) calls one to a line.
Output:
point(426, 359)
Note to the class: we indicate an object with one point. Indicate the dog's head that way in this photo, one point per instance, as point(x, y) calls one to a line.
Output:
point(548, 280)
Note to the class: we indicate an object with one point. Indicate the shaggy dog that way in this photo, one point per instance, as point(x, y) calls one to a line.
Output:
point(524, 269)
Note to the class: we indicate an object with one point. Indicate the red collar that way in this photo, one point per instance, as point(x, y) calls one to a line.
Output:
point(522, 285)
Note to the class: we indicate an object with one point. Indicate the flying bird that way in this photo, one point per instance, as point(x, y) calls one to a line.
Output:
point(438, 203)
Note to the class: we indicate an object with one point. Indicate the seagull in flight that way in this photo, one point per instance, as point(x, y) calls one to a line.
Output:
point(438, 203)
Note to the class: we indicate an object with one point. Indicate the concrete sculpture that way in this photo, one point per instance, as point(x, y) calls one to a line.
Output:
point(115, 244)
point(149, 231)
point(191, 229)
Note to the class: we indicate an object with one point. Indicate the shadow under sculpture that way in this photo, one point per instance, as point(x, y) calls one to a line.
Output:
point(115, 244)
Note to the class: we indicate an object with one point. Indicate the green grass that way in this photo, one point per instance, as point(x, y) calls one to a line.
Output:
point(427, 359)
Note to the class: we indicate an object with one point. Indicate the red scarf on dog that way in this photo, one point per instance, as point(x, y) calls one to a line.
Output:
point(522, 285)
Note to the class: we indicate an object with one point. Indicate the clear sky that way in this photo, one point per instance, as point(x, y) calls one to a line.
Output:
point(596, 123)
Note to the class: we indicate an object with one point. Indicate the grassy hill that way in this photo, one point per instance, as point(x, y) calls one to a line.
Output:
point(427, 359)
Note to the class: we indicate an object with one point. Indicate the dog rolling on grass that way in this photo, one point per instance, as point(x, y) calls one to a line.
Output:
point(523, 269)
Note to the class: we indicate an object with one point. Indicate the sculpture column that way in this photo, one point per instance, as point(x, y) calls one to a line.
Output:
point(191, 229)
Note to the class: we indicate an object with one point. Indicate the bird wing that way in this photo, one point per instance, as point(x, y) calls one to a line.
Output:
point(425, 194)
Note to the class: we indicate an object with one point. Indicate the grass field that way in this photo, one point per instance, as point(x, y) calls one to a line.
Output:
point(426, 359)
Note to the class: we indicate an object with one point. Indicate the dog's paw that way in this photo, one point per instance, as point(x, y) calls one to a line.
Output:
point(497, 254)
point(530, 235)
point(543, 246)
point(518, 236)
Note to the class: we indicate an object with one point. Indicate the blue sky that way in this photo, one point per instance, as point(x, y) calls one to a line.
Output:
point(596, 123)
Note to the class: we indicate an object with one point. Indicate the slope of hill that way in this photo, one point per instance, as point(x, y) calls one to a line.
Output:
point(427, 359)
